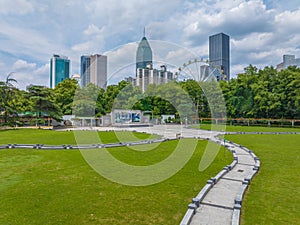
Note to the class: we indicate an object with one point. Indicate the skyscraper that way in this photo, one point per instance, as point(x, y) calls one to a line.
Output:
point(144, 54)
point(93, 69)
point(145, 73)
point(219, 54)
point(85, 63)
point(59, 69)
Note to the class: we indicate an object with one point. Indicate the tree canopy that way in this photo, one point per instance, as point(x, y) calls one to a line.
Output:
point(256, 93)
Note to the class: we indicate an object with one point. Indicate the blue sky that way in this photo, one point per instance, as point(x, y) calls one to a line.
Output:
point(31, 31)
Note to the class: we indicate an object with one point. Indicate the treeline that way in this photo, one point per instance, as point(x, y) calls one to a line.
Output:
point(39, 102)
point(264, 93)
point(256, 93)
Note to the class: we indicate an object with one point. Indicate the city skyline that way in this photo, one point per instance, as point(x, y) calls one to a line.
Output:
point(261, 32)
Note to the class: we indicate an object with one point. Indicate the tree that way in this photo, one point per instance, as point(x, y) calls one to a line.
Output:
point(87, 101)
point(127, 97)
point(289, 92)
point(43, 102)
point(264, 93)
point(7, 91)
point(110, 95)
point(196, 93)
point(64, 94)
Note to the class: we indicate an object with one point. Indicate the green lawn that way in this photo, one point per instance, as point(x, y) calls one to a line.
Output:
point(59, 187)
point(50, 137)
point(273, 196)
point(246, 128)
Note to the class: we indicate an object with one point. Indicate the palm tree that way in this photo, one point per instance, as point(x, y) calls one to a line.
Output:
point(9, 81)
point(6, 95)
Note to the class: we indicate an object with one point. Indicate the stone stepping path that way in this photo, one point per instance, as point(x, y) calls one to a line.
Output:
point(221, 204)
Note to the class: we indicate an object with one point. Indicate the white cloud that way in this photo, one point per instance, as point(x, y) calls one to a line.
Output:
point(236, 69)
point(92, 30)
point(260, 30)
point(16, 7)
point(18, 40)
point(288, 21)
point(29, 73)
point(23, 65)
point(237, 18)
point(84, 47)
point(121, 61)
point(253, 42)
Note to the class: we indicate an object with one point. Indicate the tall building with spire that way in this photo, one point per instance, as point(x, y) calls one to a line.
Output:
point(145, 73)
point(144, 54)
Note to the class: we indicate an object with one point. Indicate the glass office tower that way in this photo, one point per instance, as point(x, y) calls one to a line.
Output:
point(93, 69)
point(59, 69)
point(219, 54)
point(85, 63)
point(144, 55)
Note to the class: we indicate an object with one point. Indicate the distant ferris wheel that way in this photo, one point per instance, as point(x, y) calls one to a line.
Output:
point(200, 70)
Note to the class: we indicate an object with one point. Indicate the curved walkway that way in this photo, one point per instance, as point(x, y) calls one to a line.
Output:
point(219, 202)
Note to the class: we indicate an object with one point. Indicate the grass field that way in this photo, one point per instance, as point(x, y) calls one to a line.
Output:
point(50, 137)
point(59, 187)
point(246, 128)
point(273, 196)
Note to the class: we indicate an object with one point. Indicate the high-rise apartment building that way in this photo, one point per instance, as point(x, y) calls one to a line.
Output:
point(288, 60)
point(219, 54)
point(93, 69)
point(146, 76)
point(59, 69)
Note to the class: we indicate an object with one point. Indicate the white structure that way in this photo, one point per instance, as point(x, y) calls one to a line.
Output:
point(288, 60)
point(76, 77)
point(146, 76)
point(167, 118)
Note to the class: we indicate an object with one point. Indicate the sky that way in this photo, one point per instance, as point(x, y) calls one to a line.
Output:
point(31, 31)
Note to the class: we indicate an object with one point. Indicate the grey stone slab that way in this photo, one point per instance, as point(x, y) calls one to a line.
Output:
point(239, 172)
point(236, 217)
point(223, 193)
point(241, 151)
point(187, 217)
point(246, 159)
point(210, 215)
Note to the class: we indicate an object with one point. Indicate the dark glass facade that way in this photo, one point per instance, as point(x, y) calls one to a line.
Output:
point(93, 69)
point(144, 54)
point(85, 63)
point(219, 54)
